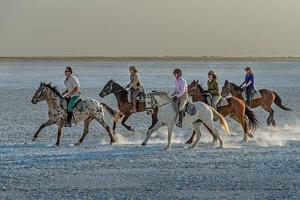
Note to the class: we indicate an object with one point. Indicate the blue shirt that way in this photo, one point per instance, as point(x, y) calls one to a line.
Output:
point(249, 77)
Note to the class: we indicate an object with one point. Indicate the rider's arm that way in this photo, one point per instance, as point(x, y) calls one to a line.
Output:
point(74, 91)
point(182, 86)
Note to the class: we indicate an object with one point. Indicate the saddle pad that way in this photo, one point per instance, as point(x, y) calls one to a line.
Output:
point(222, 102)
point(191, 109)
point(255, 95)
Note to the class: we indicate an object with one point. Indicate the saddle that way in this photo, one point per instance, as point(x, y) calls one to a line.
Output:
point(255, 95)
point(190, 108)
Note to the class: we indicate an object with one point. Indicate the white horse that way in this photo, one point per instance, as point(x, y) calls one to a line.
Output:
point(167, 117)
point(87, 111)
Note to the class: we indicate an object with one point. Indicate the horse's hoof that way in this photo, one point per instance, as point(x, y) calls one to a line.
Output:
point(215, 141)
point(144, 143)
point(188, 142)
point(77, 144)
point(33, 139)
point(132, 130)
point(244, 140)
point(250, 135)
point(166, 148)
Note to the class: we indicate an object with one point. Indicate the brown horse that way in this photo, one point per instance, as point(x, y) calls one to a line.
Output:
point(111, 87)
point(266, 100)
point(236, 109)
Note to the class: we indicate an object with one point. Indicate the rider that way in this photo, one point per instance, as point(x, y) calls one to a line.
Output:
point(72, 93)
point(248, 84)
point(213, 88)
point(180, 94)
point(135, 86)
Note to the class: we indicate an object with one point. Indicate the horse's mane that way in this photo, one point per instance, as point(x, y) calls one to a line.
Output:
point(235, 87)
point(53, 89)
point(119, 86)
point(200, 88)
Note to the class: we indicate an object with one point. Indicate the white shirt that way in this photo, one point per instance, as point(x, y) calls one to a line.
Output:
point(71, 82)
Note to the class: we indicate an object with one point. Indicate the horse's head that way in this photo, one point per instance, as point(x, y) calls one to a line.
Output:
point(107, 89)
point(192, 88)
point(40, 94)
point(226, 89)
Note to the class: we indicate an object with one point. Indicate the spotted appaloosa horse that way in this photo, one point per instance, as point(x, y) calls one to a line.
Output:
point(88, 110)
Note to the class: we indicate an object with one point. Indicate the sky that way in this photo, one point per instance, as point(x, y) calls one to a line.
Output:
point(149, 27)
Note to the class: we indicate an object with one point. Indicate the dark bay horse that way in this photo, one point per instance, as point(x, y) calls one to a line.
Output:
point(236, 109)
point(112, 87)
point(268, 97)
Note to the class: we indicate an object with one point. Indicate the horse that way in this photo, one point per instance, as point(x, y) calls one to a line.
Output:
point(167, 115)
point(87, 110)
point(268, 97)
point(112, 87)
point(236, 109)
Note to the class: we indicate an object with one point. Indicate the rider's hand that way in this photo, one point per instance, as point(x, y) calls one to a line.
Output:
point(66, 95)
point(175, 98)
point(243, 88)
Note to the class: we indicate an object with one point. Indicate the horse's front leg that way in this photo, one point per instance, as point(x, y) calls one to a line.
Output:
point(152, 130)
point(170, 130)
point(47, 123)
point(59, 131)
point(124, 120)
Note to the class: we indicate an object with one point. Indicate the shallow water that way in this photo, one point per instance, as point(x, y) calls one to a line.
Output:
point(268, 166)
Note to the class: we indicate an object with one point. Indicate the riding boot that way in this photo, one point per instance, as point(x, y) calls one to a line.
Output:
point(180, 116)
point(69, 119)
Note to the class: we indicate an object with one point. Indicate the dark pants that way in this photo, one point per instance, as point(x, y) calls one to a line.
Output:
point(249, 93)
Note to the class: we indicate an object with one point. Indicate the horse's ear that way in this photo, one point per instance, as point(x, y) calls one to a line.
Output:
point(197, 81)
point(41, 83)
point(226, 82)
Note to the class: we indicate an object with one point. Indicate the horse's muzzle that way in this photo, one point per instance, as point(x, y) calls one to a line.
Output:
point(33, 101)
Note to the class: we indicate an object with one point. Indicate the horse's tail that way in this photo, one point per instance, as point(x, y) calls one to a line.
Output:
point(278, 102)
point(115, 114)
point(222, 120)
point(253, 122)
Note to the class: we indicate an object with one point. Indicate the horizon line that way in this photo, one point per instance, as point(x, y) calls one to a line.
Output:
point(152, 58)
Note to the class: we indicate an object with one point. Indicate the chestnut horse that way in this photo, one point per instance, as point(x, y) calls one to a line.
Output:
point(112, 87)
point(266, 100)
point(236, 109)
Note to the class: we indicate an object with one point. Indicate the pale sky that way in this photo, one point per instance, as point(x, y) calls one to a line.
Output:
point(149, 27)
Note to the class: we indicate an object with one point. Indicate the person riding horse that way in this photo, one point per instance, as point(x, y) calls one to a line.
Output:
point(72, 93)
point(248, 84)
point(135, 87)
point(180, 94)
point(213, 89)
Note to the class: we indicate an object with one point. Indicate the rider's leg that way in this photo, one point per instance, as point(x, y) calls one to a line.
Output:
point(134, 104)
point(182, 101)
point(248, 94)
point(215, 100)
point(71, 104)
